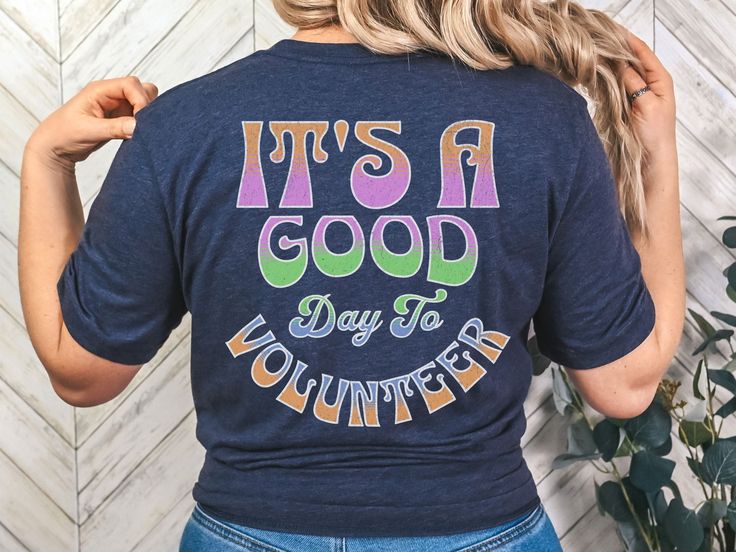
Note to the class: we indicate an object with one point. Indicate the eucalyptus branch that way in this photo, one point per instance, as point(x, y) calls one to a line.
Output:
point(634, 515)
point(693, 454)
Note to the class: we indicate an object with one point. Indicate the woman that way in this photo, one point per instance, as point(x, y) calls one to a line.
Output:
point(363, 221)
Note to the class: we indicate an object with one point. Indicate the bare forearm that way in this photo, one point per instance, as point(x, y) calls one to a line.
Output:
point(51, 223)
point(661, 255)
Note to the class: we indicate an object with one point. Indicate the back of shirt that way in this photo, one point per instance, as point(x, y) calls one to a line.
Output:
point(362, 242)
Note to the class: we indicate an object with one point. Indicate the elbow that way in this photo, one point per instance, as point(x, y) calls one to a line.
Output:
point(628, 401)
point(73, 391)
point(74, 397)
point(633, 405)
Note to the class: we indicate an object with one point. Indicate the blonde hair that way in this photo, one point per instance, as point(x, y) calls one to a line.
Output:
point(583, 47)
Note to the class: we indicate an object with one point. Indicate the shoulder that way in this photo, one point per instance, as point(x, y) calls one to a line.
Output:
point(544, 89)
point(198, 97)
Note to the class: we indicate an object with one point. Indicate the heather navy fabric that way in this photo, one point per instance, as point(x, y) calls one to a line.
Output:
point(363, 242)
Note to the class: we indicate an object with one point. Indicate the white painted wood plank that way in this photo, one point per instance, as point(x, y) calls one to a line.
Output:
point(705, 259)
point(38, 450)
point(240, 49)
point(180, 56)
point(10, 204)
point(706, 28)
point(608, 6)
point(592, 532)
point(16, 126)
point(21, 370)
point(638, 16)
point(114, 450)
point(177, 58)
point(92, 171)
point(8, 541)
point(38, 18)
point(28, 71)
point(77, 18)
point(706, 185)
point(704, 105)
point(121, 40)
point(30, 515)
point(730, 4)
point(145, 498)
point(269, 26)
point(9, 296)
point(166, 534)
point(89, 419)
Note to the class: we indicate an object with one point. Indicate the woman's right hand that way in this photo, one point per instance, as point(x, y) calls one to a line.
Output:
point(654, 111)
point(102, 111)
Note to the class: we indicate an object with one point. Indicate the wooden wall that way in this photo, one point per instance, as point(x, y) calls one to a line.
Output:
point(119, 476)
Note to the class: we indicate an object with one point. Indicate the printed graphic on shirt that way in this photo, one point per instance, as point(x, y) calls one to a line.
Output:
point(316, 316)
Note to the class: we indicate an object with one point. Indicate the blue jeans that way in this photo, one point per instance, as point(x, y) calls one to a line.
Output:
point(531, 532)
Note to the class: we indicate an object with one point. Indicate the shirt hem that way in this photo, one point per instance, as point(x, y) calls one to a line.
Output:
point(340, 520)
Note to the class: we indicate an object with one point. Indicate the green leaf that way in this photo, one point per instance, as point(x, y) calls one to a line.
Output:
point(649, 472)
point(607, 438)
point(580, 438)
point(619, 422)
point(651, 428)
point(601, 511)
point(664, 449)
point(731, 275)
point(723, 378)
point(727, 217)
point(683, 527)
point(731, 292)
point(612, 500)
point(664, 541)
point(696, 381)
point(674, 488)
point(695, 467)
point(626, 449)
point(637, 496)
point(730, 365)
point(712, 511)
point(720, 335)
point(561, 393)
point(539, 362)
point(705, 327)
point(719, 463)
point(727, 409)
point(565, 459)
point(729, 237)
point(729, 319)
point(694, 433)
point(631, 537)
point(657, 504)
point(580, 445)
point(731, 512)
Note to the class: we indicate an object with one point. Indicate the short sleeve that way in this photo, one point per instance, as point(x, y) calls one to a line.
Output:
point(120, 291)
point(595, 307)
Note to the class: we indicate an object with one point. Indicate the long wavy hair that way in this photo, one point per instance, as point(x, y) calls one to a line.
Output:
point(583, 47)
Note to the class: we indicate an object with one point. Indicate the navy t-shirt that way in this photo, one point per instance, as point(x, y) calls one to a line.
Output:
point(362, 242)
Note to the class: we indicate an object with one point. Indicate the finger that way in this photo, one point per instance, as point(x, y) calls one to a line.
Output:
point(110, 92)
point(124, 108)
point(655, 73)
point(151, 90)
point(102, 130)
point(632, 80)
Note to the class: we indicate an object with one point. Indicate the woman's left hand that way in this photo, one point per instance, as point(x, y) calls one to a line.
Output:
point(102, 111)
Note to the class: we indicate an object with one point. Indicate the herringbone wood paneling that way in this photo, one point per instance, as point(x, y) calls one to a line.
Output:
point(119, 476)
